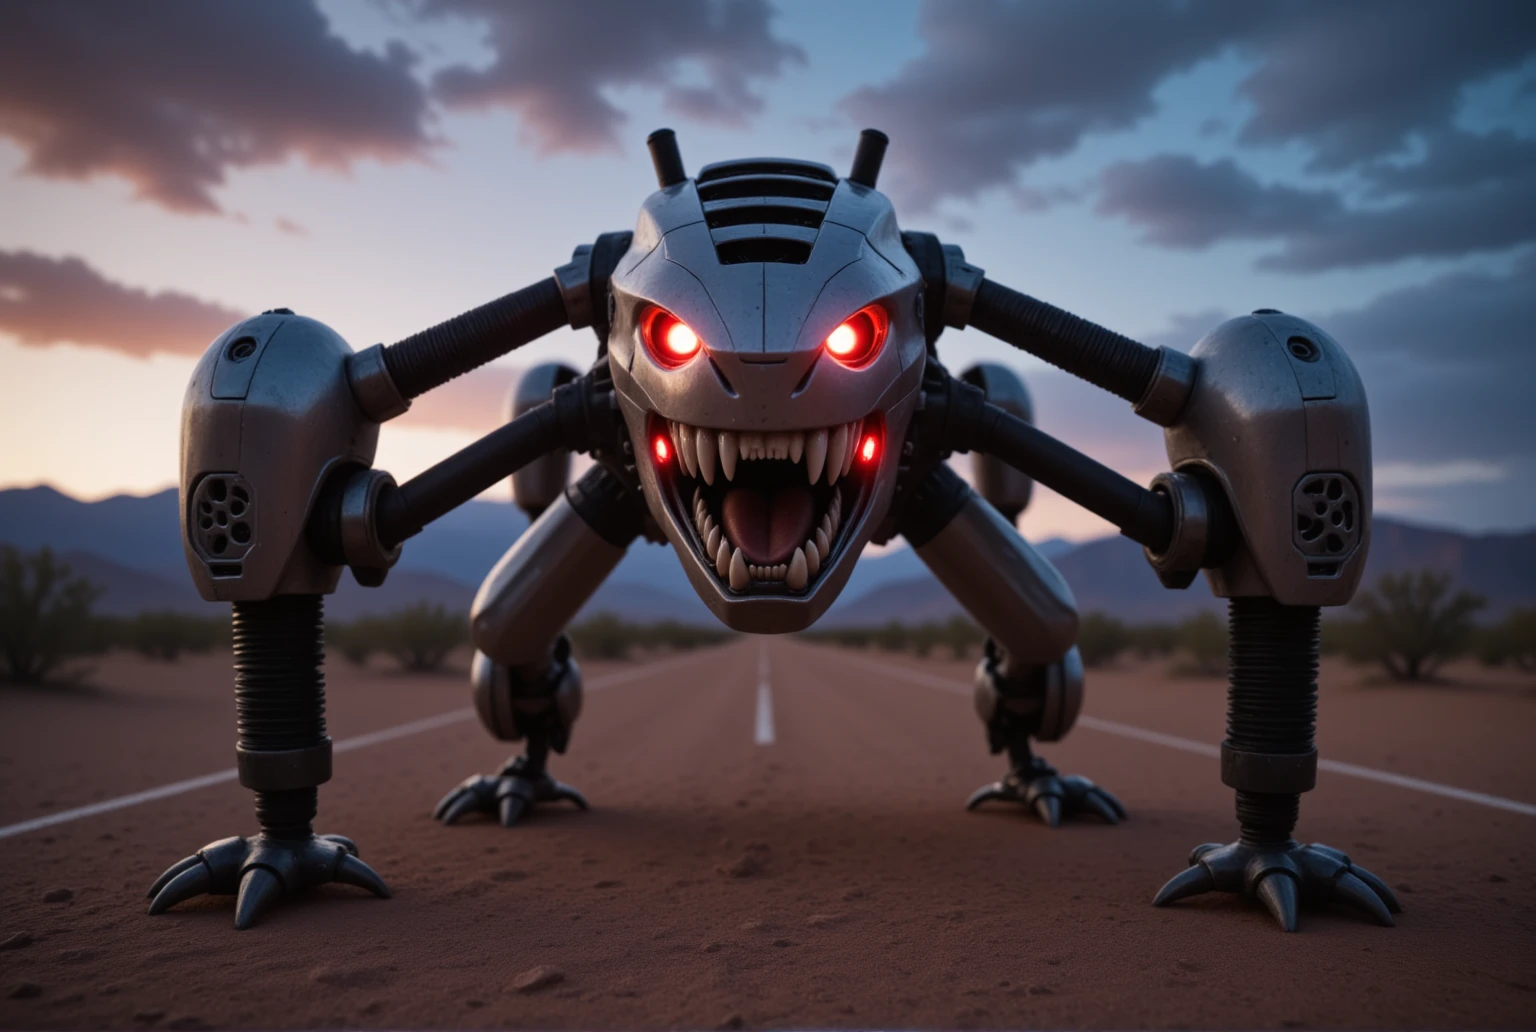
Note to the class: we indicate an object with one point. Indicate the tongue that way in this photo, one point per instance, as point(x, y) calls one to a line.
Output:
point(767, 525)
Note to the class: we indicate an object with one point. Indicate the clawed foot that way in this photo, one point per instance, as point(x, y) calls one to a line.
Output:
point(1281, 876)
point(1051, 796)
point(260, 869)
point(507, 795)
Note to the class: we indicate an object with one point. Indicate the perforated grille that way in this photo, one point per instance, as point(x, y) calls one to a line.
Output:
point(222, 521)
point(1327, 515)
point(765, 209)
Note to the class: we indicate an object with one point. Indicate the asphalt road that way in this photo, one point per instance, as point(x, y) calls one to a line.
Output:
point(777, 840)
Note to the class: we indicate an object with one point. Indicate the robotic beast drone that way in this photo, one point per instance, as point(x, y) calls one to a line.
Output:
point(767, 397)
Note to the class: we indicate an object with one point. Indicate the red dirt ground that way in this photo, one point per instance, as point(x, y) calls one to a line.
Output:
point(873, 899)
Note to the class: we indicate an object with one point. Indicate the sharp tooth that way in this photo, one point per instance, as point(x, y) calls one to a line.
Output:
point(722, 557)
point(685, 436)
point(854, 430)
point(739, 578)
point(799, 573)
point(796, 446)
point(729, 444)
point(822, 545)
point(837, 450)
point(672, 432)
point(815, 453)
point(812, 558)
point(704, 448)
point(712, 543)
point(826, 525)
point(777, 445)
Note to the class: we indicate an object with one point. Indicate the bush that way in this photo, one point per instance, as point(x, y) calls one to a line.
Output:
point(45, 615)
point(419, 637)
point(957, 634)
point(166, 635)
point(1512, 640)
point(606, 636)
point(1411, 625)
point(1157, 639)
point(1203, 638)
point(1101, 638)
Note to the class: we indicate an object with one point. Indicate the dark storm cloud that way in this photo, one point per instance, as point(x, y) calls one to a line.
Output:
point(1447, 367)
point(173, 95)
point(1181, 203)
point(1358, 85)
point(555, 62)
point(49, 300)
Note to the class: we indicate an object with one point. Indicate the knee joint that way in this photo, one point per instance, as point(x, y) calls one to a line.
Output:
point(1037, 701)
point(515, 703)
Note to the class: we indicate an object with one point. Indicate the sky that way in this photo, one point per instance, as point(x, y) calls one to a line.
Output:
point(1156, 166)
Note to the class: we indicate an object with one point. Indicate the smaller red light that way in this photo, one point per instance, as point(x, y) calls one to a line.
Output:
point(868, 449)
point(662, 449)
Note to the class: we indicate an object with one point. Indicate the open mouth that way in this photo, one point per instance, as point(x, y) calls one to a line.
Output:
point(768, 510)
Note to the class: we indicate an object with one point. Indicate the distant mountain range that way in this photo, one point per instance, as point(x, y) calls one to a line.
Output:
point(131, 546)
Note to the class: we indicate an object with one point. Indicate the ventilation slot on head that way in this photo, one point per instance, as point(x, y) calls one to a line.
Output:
point(765, 209)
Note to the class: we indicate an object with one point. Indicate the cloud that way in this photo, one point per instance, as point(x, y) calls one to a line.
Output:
point(556, 63)
point(1463, 204)
point(1362, 87)
point(173, 96)
point(51, 300)
point(1007, 84)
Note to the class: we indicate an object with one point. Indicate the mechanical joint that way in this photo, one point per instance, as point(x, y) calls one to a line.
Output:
point(961, 281)
point(1268, 773)
point(515, 702)
point(283, 770)
point(575, 281)
point(361, 546)
point(373, 388)
point(1172, 383)
point(1178, 563)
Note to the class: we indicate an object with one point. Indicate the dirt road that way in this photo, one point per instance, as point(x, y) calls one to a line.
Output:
point(777, 840)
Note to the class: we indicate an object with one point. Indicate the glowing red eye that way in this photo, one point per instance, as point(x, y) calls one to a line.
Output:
point(868, 449)
point(857, 340)
point(662, 449)
point(670, 341)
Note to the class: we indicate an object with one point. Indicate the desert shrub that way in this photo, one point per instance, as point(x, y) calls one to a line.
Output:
point(1203, 638)
point(1411, 624)
point(1154, 639)
point(45, 615)
point(1511, 640)
point(606, 636)
point(165, 635)
point(1101, 638)
point(419, 637)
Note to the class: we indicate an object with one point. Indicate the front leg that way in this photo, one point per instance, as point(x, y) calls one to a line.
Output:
point(284, 755)
point(1029, 684)
point(527, 687)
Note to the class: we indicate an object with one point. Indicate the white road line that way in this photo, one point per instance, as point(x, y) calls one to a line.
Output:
point(1189, 745)
point(388, 734)
point(763, 733)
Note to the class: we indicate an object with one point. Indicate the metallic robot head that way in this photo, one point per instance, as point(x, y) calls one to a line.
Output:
point(767, 347)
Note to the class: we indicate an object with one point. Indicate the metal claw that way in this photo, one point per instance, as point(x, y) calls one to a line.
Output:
point(1377, 886)
point(1192, 881)
point(1350, 889)
point(258, 887)
point(352, 871)
point(171, 872)
point(987, 793)
point(1094, 801)
point(1202, 849)
point(192, 881)
point(1114, 803)
point(458, 807)
point(1278, 891)
point(512, 807)
point(341, 840)
point(1049, 809)
point(566, 792)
